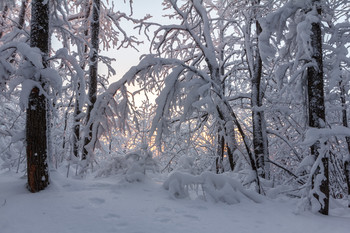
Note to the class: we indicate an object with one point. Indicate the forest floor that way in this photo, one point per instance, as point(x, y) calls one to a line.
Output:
point(99, 205)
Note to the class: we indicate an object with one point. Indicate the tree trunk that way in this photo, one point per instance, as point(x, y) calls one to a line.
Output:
point(345, 124)
point(317, 112)
point(77, 107)
point(22, 14)
point(226, 134)
point(3, 16)
point(95, 27)
point(257, 114)
point(36, 122)
point(255, 70)
point(226, 140)
point(230, 111)
point(76, 126)
point(230, 157)
point(220, 152)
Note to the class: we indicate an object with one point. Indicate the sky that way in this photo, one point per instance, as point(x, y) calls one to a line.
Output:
point(125, 58)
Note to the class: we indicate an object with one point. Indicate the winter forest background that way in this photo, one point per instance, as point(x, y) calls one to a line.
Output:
point(237, 99)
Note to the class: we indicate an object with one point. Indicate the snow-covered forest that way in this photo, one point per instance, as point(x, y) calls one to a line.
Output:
point(235, 103)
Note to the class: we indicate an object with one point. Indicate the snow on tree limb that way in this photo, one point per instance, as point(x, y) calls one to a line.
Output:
point(31, 67)
point(122, 109)
point(275, 23)
point(313, 135)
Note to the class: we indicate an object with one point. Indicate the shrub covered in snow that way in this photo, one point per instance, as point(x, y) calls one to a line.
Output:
point(12, 135)
point(133, 166)
point(216, 187)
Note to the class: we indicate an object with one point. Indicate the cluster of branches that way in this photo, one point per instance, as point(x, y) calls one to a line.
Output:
point(215, 68)
point(49, 58)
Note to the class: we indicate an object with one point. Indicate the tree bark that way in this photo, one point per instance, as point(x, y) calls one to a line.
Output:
point(3, 16)
point(347, 139)
point(76, 126)
point(225, 140)
point(317, 110)
point(22, 14)
point(226, 135)
point(256, 101)
point(255, 70)
point(95, 27)
point(77, 107)
point(220, 152)
point(36, 122)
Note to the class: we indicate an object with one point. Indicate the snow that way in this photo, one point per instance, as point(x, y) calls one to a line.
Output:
point(113, 205)
point(216, 187)
point(306, 164)
point(52, 77)
point(32, 54)
point(27, 86)
point(276, 22)
point(314, 134)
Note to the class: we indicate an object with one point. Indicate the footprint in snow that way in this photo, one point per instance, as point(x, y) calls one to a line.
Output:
point(198, 207)
point(78, 207)
point(111, 216)
point(163, 219)
point(192, 217)
point(96, 200)
point(122, 224)
point(162, 209)
point(66, 185)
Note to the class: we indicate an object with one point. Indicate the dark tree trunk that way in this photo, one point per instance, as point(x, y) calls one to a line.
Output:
point(2, 24)
point(226, 135)
point(76, 127)
point(36, 122)
point(3, 16)
point(246, 144)
point(77, 107)
point(317, 110)
point(257, 114)
point(230, 157)
point(95, 27)
point(220, 152)
point(345, 124)
point(22, 14)
point(225, 140)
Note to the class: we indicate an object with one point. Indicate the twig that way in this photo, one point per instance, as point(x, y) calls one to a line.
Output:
point(285, 169)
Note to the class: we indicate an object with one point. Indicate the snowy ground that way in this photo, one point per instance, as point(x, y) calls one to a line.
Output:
point(110, 205)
